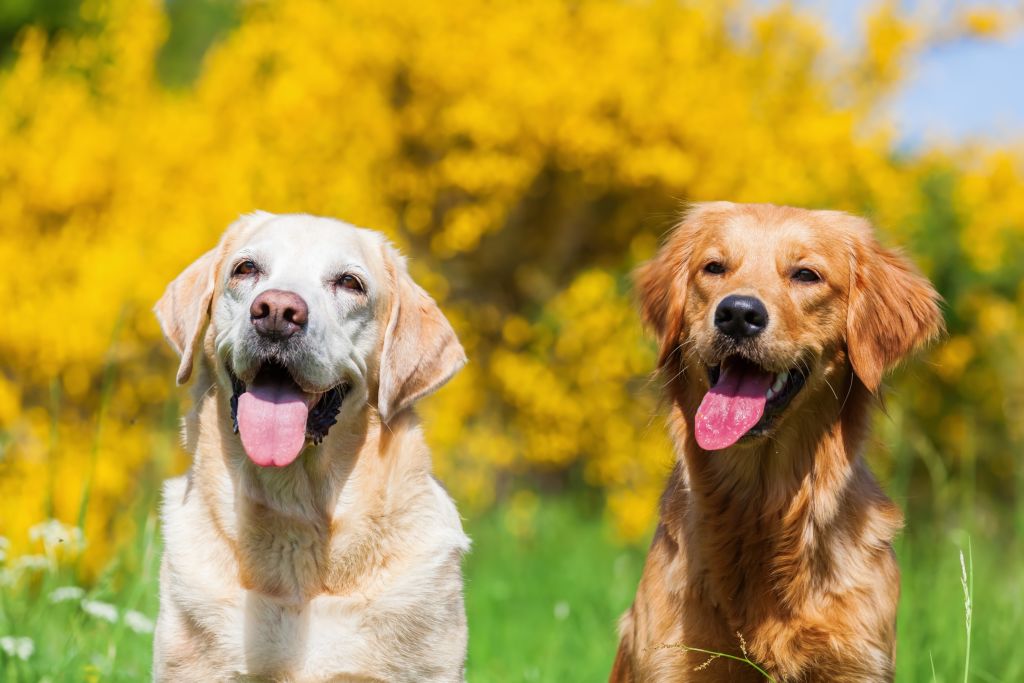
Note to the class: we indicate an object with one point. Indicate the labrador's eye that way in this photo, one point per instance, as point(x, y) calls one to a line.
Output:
point(245, 268)
point(350, 281)
point(714, 268)
point(806, 275)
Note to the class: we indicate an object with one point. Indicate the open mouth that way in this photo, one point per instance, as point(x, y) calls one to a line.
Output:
point(744, 400)
point(274, 417)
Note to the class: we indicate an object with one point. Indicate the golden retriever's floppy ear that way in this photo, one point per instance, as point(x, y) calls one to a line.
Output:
point(421, 351)
point(893, 310)
point(184, 309)
point(661, 288)
point(661, 282)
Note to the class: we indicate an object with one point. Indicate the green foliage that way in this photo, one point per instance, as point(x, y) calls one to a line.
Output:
point(49, 15)
point(195, 25)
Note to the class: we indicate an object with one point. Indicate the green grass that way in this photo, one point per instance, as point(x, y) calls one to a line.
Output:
point(70, 642)
point(932, 612)
point(544, 588)
point(543, 605)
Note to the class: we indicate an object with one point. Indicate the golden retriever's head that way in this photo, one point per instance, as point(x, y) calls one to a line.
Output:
point(760, 309)
point(304, 320)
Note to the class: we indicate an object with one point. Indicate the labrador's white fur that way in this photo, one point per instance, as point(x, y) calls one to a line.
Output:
point(346, 564)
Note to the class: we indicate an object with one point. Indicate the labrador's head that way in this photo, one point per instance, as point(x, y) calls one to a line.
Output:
point(760, 309)
point(304, 320)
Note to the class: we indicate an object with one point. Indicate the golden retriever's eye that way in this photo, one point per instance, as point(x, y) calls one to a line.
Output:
point(714, 268)
point(350, 281)
point(245, 268)
point(806, 275)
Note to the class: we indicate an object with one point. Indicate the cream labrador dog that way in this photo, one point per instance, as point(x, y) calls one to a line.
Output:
point(309, 541)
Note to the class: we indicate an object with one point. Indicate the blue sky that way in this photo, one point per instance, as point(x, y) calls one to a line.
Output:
point(967, 90)
point(958, 91)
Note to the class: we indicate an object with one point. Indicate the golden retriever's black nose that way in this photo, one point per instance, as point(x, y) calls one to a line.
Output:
point(278, 314)
point(740, 317)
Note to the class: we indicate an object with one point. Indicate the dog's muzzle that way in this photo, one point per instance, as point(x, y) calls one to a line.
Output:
point(275, 418)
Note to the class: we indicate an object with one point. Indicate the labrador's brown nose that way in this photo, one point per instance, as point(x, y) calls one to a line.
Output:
point(277, 314)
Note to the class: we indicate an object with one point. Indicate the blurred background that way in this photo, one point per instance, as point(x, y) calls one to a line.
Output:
point(526, 156)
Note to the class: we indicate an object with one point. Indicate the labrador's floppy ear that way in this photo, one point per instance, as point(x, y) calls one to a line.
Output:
point(184, 309)
point(893, 310)
point(661, 282)
point(421, 351)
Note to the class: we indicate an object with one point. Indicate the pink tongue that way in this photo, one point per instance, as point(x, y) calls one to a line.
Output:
point(272, 422)
point(732, 407)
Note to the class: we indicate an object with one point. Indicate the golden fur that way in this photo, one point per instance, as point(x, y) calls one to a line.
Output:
point(779, 546)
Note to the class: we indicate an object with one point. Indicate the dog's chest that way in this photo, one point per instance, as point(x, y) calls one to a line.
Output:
point(327, 634)
point(311, 614)
point(379, 633)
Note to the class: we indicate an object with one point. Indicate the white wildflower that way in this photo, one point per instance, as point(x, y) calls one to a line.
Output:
point(22, 648)
point(561, 610)
point(66, 594)
point(32, 563)
point(138, 622)
point(100, 610)
point(54, 533)
point(4, 545)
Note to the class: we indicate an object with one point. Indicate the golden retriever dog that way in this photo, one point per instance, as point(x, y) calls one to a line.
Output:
point(309, 541)
point(774, 543)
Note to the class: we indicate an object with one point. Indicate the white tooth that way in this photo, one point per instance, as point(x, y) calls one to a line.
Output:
point(780, 381)
point(771, 392)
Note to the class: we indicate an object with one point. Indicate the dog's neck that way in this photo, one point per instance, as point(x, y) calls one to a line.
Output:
point(310, 515)
point(761, 518)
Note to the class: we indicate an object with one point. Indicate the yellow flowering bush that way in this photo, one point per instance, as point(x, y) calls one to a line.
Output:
point(526, 155)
